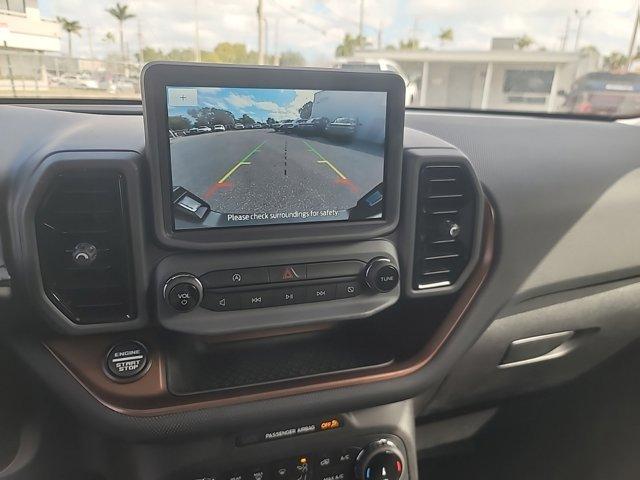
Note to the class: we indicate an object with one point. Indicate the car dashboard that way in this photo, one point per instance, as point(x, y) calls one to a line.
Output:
point(512, 267)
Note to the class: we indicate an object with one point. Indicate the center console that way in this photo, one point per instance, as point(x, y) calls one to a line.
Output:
point(281, 243)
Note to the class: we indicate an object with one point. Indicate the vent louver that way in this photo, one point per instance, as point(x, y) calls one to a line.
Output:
point(87, 208)
point(444, 225)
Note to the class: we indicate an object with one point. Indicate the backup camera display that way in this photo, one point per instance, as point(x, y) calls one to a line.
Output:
point(253, 156)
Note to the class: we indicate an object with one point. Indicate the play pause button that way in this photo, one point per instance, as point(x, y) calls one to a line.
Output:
point(289, 296)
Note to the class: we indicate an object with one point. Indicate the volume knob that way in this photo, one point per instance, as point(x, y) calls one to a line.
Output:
point(183, 292)
point(381, 275)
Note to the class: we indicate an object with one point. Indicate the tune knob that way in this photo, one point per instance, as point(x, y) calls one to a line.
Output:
point(381, 275)
point(183, 292)
point(380, 460)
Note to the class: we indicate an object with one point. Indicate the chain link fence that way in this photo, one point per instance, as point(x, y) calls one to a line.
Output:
point(29, 74)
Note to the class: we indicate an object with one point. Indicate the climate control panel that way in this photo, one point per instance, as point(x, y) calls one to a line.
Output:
point(380, 459)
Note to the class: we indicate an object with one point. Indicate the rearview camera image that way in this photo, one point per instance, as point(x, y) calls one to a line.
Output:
point(252, 156)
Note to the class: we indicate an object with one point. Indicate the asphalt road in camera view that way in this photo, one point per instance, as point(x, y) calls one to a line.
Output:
point(262, 171)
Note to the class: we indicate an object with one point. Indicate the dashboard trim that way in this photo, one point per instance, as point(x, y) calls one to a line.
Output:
point(149, 396)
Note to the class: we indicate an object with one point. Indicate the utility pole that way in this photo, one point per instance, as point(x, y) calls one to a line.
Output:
point(632, 45)
point(266, 40)
point(90, 35)
point(581, 17)
point(565, 37)
point(260, 34)
point(276, 48)
point(380, 36)
point(361, 23)
point(140, 44)
point(197, 55)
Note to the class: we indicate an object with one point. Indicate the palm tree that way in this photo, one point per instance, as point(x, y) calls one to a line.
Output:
point(122, 14)
point(109, 37)
point(69, 26)
point(524, 41)
point(350, 44)
point(445, 35)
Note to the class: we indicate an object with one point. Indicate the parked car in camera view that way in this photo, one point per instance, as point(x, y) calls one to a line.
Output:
point(219, 128)
point(238, 126)
point(342, 127)
point(313, 126)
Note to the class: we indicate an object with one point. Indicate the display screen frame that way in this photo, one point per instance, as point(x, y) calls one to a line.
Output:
point(157, 76)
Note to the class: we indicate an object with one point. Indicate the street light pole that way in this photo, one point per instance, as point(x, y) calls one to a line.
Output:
point(260, 34)
point(632, 45)
point(581, 17)
point(197, 26)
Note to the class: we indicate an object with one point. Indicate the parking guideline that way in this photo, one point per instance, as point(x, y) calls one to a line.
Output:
point(241, 162)
point(325, 161)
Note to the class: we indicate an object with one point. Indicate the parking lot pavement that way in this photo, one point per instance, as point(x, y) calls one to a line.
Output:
point(268, 172)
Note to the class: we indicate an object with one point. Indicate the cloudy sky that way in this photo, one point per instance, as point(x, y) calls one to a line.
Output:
point(315, 27)
point(258, 103)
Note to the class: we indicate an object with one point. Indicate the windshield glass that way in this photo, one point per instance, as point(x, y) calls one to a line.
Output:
point(565, 56)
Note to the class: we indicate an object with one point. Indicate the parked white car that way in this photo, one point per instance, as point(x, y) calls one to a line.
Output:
point(383, 65)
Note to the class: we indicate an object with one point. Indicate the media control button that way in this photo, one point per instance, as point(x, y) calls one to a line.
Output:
point(348, 289)
point(220, 302)
point(184, 297)
point(287, 273)
point(236, 277)
point(288, 296)
point(320, 293)
point(127, 359)
point(347, 268)
point(256, 299)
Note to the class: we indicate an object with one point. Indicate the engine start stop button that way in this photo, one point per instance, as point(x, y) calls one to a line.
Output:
point(127, 359)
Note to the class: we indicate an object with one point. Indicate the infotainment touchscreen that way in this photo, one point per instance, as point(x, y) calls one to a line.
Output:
point(265, 156)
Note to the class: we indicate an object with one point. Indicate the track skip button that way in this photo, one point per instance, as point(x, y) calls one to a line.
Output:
point(256, 299)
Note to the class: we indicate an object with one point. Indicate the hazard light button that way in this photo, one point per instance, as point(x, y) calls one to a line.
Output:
point(287, 273)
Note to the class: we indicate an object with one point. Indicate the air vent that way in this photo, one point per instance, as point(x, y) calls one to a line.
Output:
point(80, 211)
point(444, 225)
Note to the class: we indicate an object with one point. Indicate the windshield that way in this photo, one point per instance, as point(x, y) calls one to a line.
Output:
point(566, 56)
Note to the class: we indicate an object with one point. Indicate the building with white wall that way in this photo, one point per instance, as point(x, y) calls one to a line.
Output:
point(28, 36)
point(502, 78)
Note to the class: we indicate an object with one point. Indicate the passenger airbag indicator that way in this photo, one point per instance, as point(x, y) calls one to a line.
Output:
point(289, 431)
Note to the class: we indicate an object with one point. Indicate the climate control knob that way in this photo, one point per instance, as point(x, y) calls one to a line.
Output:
point(183, 292)
point(381, 275)
point(380, 460)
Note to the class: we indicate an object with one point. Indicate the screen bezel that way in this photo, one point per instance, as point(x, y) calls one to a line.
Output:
point(157, 76)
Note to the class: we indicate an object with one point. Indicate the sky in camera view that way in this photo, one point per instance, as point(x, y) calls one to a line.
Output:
point(316, 27)
point(258, 103)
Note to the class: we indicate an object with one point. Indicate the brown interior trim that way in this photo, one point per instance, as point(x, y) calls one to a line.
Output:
point(149, 395)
